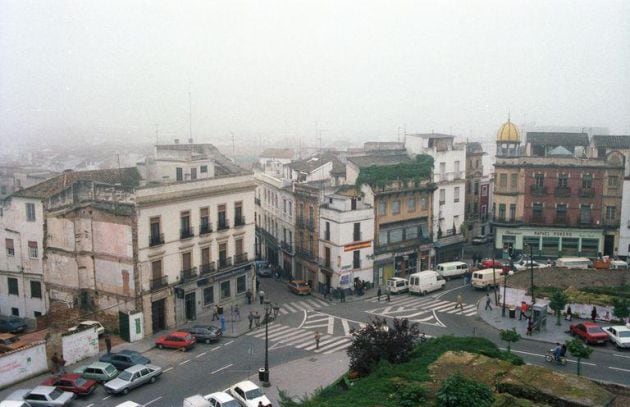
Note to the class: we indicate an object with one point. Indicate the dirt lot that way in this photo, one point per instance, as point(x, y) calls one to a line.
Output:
point(563, 278)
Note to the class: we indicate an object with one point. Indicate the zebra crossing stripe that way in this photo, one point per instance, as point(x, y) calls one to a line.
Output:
point(318, 303)
point(340, 348)
point(441, 304)
point(323, 339)
point(300, 343)
point(417, 313)
point(281, 333)
point(290, 308)
point(430, 317)
point(283, 311)
point(296, 337)
point(444, 307)
point(331, 345)
point(331, 325)
point(324, 343)
point(346, 326)
point(272, 327)
point(318, 318)
point(273, 333)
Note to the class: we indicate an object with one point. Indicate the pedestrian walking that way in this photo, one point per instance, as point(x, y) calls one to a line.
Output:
point(108, 343)
point(594, 313)
point(523, 313)
point(569, 315)
point(529, 327)
point(388, 295)
point(250, 317)
point(248, 294)
point(215, 312)
point(276, 310)
point(55, 363)
point(460, 303)
point(488, 302)
point(317, 338)
point(342, 294)
point(62, 364)
point(222, 321)
point(378, 294)
point(261, 295)
point(237, 312)
point(257, 319)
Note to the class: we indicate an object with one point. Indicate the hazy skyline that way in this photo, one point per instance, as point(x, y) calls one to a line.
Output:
point(267, 70)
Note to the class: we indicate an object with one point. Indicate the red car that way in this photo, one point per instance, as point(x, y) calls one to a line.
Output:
point(487, 264)
point(590, 332)
point(176, 340)
point(72, 382)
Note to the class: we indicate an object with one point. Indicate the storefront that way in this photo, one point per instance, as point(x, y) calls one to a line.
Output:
point(551, 242)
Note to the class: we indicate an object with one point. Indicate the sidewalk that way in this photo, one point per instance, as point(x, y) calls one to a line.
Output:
point(551, 333)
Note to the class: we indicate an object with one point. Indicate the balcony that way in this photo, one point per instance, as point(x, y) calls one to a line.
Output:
point(205, 228)
point(287, 247)
point(585, 221)
point(303, 223)
point(225, 263)
point(325, 263)
point(538, 190)
point(186, 233)
point(357, 236)
point(563, 191)
point(587, 193)
point(356, 264)
point(189, 274)
point(158, 283)
point(502, 220)
point(208, 268)
point(239, 221)
point(538, 219)
point(257, 201)
point(223, 225)
point(561, 220)
point(240, 258)
point(156, 240)
point(305, 253)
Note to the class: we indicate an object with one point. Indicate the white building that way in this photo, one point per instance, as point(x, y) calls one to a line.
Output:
point(449, 173)
point(21, 266)
point(346, 234)
point(273, 160)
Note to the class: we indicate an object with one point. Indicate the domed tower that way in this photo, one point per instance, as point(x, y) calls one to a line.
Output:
point(508, 140)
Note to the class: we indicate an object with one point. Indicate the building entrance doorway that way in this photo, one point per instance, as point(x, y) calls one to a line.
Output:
point(609, 245)
point(158, 315)
point(191, 311)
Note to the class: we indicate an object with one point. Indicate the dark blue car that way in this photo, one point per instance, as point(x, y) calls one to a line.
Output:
point(14, 325)
point(124, 359)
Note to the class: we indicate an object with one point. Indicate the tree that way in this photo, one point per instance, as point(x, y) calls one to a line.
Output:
point(621, 308)
point(509, 336)
point(458, 391)
point(580, 350)
point(557, 303)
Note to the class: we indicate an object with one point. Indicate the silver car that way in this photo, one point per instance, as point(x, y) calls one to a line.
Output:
point(133, 377)
point(48, 396)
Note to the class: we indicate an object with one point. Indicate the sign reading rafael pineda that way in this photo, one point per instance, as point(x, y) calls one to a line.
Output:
point(516, 236)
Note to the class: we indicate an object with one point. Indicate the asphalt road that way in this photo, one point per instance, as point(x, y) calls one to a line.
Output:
point(209, 368)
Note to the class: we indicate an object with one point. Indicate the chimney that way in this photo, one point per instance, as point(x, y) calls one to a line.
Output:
point(176, 141)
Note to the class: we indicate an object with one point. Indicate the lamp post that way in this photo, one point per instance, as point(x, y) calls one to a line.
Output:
point(531, 272)
point(506, 274)
point(494, 276)
point(264, 375)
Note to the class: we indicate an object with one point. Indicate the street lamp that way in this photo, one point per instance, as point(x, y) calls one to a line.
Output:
point(531, 272)
point(506, 274)
point(263, 374)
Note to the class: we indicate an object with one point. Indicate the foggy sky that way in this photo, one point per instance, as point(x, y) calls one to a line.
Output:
point(268, 70)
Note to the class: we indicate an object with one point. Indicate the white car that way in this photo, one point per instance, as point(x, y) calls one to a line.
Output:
point(481, 239)
point(129, 403)
point(248, 394)
point(619, 335)
point(221, 399)
point(48, 396)
point(100, 329)
point(525, 265)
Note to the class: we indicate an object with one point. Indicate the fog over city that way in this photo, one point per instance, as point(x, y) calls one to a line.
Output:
point(270, 71)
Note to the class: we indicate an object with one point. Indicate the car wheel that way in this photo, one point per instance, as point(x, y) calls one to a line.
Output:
point(618, 347)
point(152, 380)
point(425, 292)
point(160, 346)
point(126, 391)
point(208, 341)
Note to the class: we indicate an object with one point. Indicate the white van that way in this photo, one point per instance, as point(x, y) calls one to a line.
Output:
point(487, 278)
point(618, 265)
point(452, 269)
point(425, 282)
point(397, 285)
point(574, 263)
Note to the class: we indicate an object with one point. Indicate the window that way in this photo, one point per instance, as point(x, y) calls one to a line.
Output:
point(222, 254)
point(225, 290)
point(356, 259)
point(561, 212)
point(512, 212)
point(502, 211)
point(587, 181)
point(10, 249)
point(155, 231)
point(36, 289)
point(30, 212)
point(16, 313)
point(585, 214)
point(382, 208)
point(356, 233)
point(222, 218)
point(32, 249)
point(469, 187)
point(411, 204)
point(208, 295)
point(184, 222)
point(590, 247)
point(156, 269)
point(290, 208)
point(503, 181)
point(187, 262)
point(610, 213)
point(284, 206)
point(241, 285)
point(411, 233)
point(238, 247)
point(484, 190)
point(13, 286)
point(204, 220)
point(203, 169)
point(395, 207)
point(457, 169)
point(456, 194)
point(193, 173)
point(327, 231)
point(179, 174)
point(37, 314)
point(395, 235)
point(476, 188)
point(382, 237)
point(442, 196)
point(613, 181)
point(442, 170)
point(537, 209)
point(539, 180)
point(513, 182)
point(563, 181)
point(424, 203)
point(550, 246)
point(205, 256)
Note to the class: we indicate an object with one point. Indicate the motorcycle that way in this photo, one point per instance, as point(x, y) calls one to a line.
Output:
point(551, 358)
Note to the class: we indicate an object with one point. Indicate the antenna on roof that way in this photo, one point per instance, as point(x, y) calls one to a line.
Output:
point(189, 112)
point(233, 148)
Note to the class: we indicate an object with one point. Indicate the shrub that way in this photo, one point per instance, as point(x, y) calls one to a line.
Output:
point(458, 391)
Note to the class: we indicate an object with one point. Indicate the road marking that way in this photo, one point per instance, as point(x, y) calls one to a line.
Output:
point(331, 325)
point(226, 344)
point(201, 354)
point(107, 398)
point(290, 308)
point(90, 405)
point(621, 356)
point(332, 344)
point(542, 356)
point(152, 401)
point(346, 327)
point(213, 349)
point(450, 290)
point(166, 370)
point(342, 347)
point(222, 368)
point(184, 362)
point(618, 368)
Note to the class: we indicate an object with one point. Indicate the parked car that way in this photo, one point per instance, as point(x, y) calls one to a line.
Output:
point(15, 399)
point(263, 269)
point(124, 359)
point(299, 287)
point(221, 399)
point(133, 377)
point(99, 371)
point(481, 239)
point(248, 394)
point(206, 334)
point(10, 342)
point(72, 382)
point(100, 329)
point(176, 340)
point(619, 335)
point(590, 332)
point(129, 403)
point(498, 264)
point(48, 396)
point(13, 325)
point(525, 265)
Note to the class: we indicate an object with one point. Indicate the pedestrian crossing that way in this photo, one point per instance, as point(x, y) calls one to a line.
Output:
point(304, 305)
point(330, 324)
point(409, 306)
point(281, 335)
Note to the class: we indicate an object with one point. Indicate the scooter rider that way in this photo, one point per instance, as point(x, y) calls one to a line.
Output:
point(557, 351)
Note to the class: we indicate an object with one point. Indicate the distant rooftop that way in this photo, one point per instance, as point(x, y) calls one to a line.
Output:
point(310, 164)
point(223, 165)
point(431, 135)
point(379, 159)
point(558, 139)
point(612, 141)
point(283, 153)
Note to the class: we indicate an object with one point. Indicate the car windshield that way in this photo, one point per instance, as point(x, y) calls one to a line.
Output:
point(55, 394)
point(254, 393)
point(595, 330)
point(110, 369)
point(231, 403)
point(80, 381)
point(125, 375)
point(624, 334)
